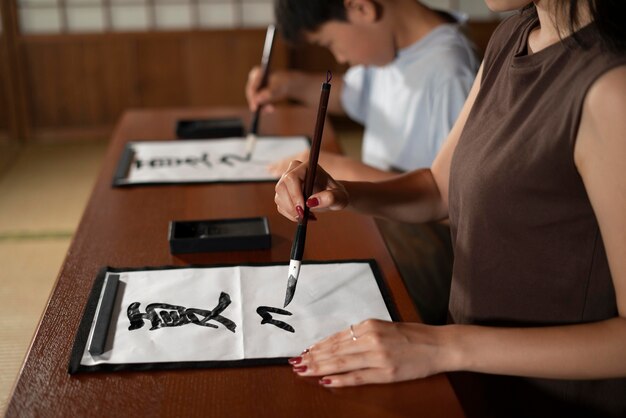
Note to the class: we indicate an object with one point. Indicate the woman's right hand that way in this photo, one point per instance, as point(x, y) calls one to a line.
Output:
point(328, 194)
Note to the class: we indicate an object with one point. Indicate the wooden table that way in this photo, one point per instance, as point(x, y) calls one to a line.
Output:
point(127, 227)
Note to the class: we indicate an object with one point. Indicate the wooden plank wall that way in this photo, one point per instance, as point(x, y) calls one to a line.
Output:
point(9, 105)
point(77, 86)
point(4, 119)
point(480, 32)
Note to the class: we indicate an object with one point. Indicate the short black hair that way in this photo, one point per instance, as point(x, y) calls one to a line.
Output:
point(295, 17)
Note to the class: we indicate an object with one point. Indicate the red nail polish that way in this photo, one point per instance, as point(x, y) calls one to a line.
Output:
point(299, 369)
point(325, 382)
point(300, 211)
point(295, 360)
point(312, 202)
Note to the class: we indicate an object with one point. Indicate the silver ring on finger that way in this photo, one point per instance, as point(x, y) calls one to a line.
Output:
point(352, 333)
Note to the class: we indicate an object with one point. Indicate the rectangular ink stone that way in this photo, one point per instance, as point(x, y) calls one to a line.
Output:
point(209, 128)
point(219, 235)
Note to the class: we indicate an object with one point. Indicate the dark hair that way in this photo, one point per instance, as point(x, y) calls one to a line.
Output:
point(608, 17)
point(294, 17)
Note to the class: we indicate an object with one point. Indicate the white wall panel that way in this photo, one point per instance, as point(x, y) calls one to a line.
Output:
point(130, 17)
point(256, 14)
point(85, 19)
point(40, 20)
point(220, 15)
point(44, 16)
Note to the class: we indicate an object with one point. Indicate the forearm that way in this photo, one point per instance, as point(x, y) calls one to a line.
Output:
point(346, 168)
point(411, 197)
point(305, 88)
point(584, 351)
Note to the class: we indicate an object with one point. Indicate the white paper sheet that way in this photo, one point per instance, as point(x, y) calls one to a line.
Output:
point(209, 160)
point(329, 297)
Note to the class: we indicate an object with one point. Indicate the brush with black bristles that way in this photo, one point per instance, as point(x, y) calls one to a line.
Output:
point(297, 248)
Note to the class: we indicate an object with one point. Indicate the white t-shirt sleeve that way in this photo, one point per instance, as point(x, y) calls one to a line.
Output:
point(355, 93)
point(433, 113)
point(448, 100)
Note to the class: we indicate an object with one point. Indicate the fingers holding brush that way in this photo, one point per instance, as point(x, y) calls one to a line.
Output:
point(328, 193)
point(288, 190)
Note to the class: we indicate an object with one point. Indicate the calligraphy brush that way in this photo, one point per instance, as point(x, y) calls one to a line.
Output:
point(265, 63)
point(297, 248)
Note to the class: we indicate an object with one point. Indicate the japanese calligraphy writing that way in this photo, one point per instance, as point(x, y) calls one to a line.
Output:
point(264, 311)
point(163, 315)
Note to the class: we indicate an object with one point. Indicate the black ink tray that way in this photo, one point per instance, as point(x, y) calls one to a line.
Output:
point(219, 235)
point(209, 128)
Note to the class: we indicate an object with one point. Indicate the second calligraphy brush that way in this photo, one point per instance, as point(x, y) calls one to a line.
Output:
point(297, 248)
point(265, 63)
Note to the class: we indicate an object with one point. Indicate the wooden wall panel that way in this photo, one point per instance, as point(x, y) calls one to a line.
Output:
point(118, 88)
point(79, 82)
point(218, 66)
point(77, 85)
point(480, 32)
point(159, 73)
point(13, 107)
point(4, 114)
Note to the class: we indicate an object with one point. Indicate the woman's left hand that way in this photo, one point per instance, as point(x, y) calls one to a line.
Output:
point(375, 351)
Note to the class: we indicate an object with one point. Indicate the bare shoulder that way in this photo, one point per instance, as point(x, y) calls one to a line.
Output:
point(603, 124)
point(599, 154)
point(606, 98)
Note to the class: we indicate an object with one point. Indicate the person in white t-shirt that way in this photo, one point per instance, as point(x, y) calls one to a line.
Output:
point(411, 70)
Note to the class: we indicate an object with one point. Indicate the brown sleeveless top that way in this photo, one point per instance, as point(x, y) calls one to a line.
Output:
point(527, 247)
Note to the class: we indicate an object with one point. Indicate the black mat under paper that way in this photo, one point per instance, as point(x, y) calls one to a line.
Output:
point(82, 334)
point(128, 154)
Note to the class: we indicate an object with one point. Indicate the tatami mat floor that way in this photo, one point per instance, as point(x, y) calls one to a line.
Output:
point(43, 191)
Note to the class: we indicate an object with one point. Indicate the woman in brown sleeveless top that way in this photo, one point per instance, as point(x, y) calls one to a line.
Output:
point(531, 179)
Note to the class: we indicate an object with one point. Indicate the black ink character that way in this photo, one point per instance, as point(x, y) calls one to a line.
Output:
point(174, 162)
point(163, 315)
point(264, 311)
point(226, 159)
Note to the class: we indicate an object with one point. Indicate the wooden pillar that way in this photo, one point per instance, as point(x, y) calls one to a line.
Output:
point(13, 64)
